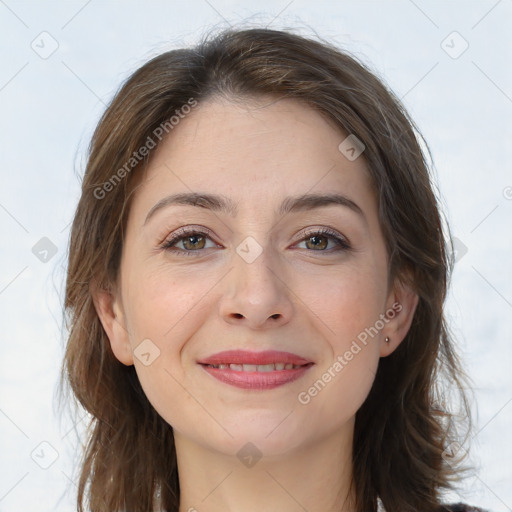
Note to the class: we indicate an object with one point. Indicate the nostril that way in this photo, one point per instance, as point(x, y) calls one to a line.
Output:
point(276, 315)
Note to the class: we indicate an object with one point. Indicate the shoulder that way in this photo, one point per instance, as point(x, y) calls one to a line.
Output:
point(460, 507)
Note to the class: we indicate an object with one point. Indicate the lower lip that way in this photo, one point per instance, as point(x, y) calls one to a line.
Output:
point(257, 380)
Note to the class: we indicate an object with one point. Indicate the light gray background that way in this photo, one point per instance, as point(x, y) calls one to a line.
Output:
point(49, 105)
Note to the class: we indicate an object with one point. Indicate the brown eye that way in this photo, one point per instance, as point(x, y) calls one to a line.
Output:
point(325, 241)
point(188, 242)
point(317, 242)
point(194, 242)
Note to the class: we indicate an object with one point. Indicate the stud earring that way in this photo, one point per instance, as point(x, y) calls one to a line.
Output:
point(387, 340)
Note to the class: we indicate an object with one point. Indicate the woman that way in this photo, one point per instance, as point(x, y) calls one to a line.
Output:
point(257, 274)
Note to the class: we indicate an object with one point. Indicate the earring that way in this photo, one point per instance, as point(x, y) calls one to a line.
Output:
point(387, 340)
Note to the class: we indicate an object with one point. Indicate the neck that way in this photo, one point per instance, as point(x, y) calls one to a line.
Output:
point(315, 478)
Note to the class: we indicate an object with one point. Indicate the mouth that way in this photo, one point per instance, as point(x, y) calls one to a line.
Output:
point(256, 370)
point(256, 367)
point(246, 357)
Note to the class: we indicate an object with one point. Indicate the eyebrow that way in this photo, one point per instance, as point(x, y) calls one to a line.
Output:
point(223, 204)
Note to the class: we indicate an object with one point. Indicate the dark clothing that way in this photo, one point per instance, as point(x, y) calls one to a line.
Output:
point(452, 507)
point(460, 507)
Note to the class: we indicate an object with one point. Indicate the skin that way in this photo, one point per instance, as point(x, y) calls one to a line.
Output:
point(293, 297)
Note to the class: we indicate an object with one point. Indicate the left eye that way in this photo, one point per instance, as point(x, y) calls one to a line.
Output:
point(319, 240)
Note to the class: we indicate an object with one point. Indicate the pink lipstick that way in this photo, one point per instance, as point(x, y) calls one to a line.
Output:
point(256, 370)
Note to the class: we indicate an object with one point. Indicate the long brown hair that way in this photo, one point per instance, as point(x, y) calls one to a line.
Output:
point(405, 423)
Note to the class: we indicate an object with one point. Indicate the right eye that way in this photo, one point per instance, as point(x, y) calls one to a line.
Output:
point(191, 240)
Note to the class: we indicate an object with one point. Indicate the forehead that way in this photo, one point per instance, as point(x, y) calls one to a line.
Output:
point(253, 151)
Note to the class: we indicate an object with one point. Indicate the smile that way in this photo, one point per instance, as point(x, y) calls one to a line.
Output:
point(256, 367)
point(255, 370)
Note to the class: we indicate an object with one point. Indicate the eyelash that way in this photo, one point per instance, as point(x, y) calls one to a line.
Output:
point(342, 243)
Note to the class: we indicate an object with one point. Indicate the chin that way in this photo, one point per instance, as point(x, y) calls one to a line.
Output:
point(274, 433)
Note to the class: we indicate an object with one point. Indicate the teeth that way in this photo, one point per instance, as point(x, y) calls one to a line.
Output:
point(266, 367)
point(256, 367)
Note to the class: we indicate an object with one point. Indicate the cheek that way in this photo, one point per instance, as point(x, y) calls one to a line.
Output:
point(346, 302)
point(162, 304)
point(167, 308)
point(339, 388)
point(348, 306)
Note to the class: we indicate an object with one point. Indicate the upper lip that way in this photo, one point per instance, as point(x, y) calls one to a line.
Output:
point(247, 357)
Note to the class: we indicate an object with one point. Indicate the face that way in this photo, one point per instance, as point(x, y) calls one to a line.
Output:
point(258, 271)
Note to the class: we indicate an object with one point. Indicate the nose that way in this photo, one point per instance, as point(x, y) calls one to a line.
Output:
point(256, 295)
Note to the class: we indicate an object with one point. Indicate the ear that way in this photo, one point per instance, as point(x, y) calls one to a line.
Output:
point(400, 308)
point(110, 312)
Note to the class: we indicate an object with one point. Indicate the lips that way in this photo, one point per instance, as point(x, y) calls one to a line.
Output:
point(256, 370)
point(241, 357)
